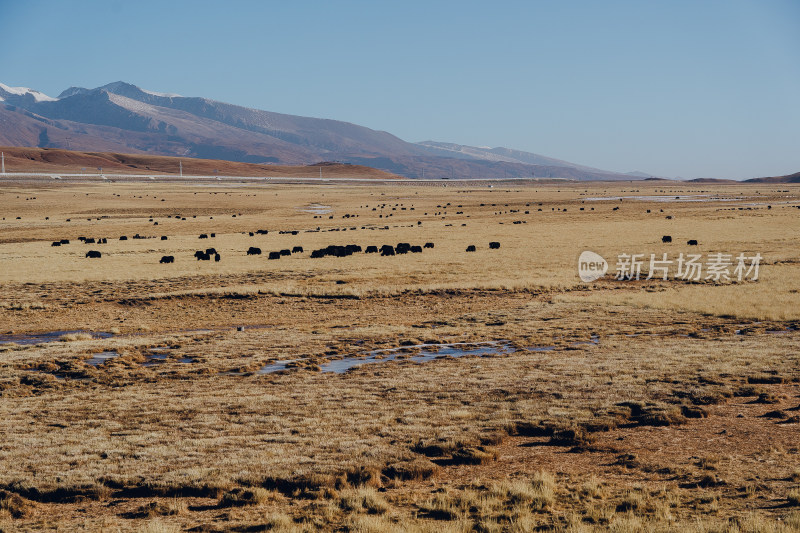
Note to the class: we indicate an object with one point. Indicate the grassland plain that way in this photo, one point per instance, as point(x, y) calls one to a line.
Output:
point(650, 405)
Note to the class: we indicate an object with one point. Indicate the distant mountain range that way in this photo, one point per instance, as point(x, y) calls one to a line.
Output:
point(120, 117)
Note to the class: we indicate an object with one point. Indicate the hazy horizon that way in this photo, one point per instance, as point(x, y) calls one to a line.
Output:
point(680, 90)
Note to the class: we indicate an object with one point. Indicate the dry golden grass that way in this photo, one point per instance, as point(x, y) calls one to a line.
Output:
point(642, 410)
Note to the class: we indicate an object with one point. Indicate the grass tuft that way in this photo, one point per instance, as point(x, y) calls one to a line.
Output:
point(363, 500)
point(239, 497)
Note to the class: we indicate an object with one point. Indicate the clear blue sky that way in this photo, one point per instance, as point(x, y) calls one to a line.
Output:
point(675, 88)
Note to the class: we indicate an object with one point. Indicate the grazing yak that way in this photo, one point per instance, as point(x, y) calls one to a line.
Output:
point(297, 250)
point(387, 249)
point(666, 239)
point(692, 242)
point(338, 251)
point(167, 259)
point(416, 249)
point(163, 237)
point(64, 241)
point(494, 245)
point(428, 245)
point(203, 236)
point(285, 251)
point(56, 243)
point(471, 248)
point(274, 255)
point(371, 250)
point(202, 256)
point(211, 251)
point(335, 251)
point(93, 254)
point(253, 251)
point(216, 258)
point(123, 238)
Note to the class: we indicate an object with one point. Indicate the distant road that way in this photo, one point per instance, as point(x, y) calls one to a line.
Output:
point(109, 177)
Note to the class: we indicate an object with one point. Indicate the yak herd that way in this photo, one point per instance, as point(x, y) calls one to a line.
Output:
point(333, 250)
point(329, 251)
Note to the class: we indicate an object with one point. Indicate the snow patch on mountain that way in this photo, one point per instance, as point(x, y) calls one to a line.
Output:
point(22, 91)
point(132, 105)
point(165, 95)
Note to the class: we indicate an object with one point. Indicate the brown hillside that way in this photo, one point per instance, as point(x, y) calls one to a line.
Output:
point(791, 178)
point(50, 160)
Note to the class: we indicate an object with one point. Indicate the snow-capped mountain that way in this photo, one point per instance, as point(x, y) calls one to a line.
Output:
point(12, 94)
point(121, 117)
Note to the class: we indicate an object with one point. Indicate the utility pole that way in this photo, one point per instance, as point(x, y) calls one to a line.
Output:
point(180, 164)
point(320, 172)
point(3, 155)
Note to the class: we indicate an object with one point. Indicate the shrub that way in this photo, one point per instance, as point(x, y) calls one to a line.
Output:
point(408, 470)
point(238, 497)
point(13, 504)
point(363, 500)
point(473, 456)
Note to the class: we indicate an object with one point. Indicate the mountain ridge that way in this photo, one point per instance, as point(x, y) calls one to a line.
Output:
point(122, 117)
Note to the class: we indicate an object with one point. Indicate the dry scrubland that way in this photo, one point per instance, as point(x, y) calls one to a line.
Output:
point(631, 406)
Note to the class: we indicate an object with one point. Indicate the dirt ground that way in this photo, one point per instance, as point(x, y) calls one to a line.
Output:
point(483, 391)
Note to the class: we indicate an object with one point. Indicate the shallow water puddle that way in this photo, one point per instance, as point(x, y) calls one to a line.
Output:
point(315, 209)
point(28, 339)
point(427, 352)
point(594, 339)
point(160, 355)
point(540, 348)
point(277, 366)
point(100, 358)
